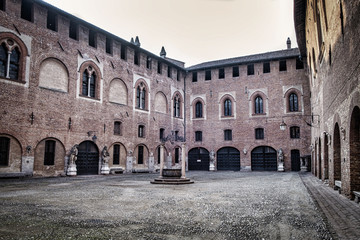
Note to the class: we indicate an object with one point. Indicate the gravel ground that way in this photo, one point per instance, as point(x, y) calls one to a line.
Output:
point(220, 205)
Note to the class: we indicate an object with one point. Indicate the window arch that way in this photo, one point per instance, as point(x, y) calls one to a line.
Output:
point(198, 109)
point(293, 102)
point(141, 98)
point(227, 107)
point(259, 109)
point(12, 57)
point(177, 105)
point(90, 80)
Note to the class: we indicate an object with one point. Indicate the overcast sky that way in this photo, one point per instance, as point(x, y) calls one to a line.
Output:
point(193, 31)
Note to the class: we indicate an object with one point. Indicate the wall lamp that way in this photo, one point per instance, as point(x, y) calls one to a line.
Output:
point(283, 124)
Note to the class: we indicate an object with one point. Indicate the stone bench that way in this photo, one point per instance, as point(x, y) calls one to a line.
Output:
point(116, 170)
point(357, 196)
point(337, 185)
point(15, 175)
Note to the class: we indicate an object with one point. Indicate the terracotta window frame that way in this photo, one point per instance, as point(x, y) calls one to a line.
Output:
point(90, 69)
point(11, 43)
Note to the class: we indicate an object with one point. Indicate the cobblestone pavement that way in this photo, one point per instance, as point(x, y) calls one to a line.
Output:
point(343, 215)
point(220, 205)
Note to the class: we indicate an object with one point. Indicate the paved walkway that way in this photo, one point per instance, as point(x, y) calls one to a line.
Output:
point(343, 215)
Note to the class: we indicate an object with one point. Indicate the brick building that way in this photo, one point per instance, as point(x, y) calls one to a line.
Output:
point(328, 38)
point(65, 82)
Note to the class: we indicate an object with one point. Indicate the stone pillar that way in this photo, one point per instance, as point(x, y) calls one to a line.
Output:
point(183, 160)
point(161, 160)
point(129, 162)
point(105, 170)
point(151, 162)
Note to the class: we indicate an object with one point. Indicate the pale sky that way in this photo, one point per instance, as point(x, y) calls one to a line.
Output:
point(193, 31)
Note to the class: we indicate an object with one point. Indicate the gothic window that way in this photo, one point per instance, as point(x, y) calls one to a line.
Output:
point(259, 105)
point(198, 110)
point(89, 82)
point(177, 104)
point(49, 155)
point(259, 133)
point(293, 103)
point(9, 60)
point(294, 132)
point(116, 154)
point(228, 135)
point(141, 131)
point(4, 151)
point(141, 96)
point(198, 136)
point(227, 107)
point(117, 128)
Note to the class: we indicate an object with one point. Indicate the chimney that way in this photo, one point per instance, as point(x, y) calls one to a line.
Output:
point(163, 52)
point(288, 43)
point(132, 41)
point(137, 41)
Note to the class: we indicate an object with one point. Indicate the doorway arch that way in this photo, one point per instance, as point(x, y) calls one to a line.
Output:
point(263, 158)
point(199, 159)
point(355, 150)
point(88, 159)
point(228, 158)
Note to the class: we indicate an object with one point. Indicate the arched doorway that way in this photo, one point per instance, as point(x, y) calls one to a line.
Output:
point(320, 160)
point(88, 159)
point(326, 157)
point(337, 154)
point(263, 158)
point(228, 158)
point(199, 159)
point(295, 160)
point(355, 150)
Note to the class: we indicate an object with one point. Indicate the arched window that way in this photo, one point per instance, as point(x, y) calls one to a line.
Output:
point(293, 103)
point(141, 96)
point(49, 154)
point(9, 60)
point(259, 105)
point(227, 107)
point(198, 110)
point(89, 82)
point(177, 103)
point(4, 151)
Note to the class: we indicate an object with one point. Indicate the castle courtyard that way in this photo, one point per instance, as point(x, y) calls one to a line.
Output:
point(220, 205)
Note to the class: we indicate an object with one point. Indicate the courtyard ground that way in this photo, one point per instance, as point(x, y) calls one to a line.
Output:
point(219, 205)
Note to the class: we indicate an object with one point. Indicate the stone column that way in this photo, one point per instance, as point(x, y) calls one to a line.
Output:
point(161, 159)
point(183, 160)
point(151, 162)
point(129, 162)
